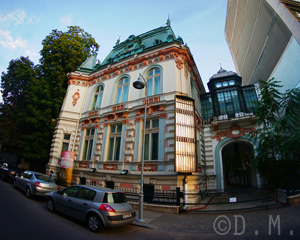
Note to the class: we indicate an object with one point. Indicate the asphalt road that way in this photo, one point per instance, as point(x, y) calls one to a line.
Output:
point(22, 218)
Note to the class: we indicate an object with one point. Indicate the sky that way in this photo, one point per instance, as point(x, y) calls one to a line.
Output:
point(200, 23)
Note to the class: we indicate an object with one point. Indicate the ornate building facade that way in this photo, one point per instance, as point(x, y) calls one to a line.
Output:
point(102, 116)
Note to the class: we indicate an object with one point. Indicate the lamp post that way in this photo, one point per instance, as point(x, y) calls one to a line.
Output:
point(141, 83)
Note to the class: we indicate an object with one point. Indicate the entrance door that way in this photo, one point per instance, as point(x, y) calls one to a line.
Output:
point(238, 169)
point(110, 184)
point(148, 193)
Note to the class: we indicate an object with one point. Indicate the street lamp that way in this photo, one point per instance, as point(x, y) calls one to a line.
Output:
point(141, 83)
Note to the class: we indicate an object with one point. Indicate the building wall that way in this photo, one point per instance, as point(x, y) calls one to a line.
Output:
point(287, 69)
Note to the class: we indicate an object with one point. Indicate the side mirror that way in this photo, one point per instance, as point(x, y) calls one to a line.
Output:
point(60, 192)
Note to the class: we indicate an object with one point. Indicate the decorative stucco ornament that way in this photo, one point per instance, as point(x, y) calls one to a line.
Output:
point(75, 97)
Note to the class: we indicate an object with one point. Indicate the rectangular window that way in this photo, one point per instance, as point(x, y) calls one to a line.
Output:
point(114, 147)
point(185, 135)
point(88, 144)
point(250, 98)
point(206, 106)
point(65, 143)
point(151, 139)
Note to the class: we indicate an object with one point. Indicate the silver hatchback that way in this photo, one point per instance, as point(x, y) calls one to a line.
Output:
point(35, 183)
point(97, 207)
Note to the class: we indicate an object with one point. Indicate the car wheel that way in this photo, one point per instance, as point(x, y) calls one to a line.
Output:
point(94, 223)
point(50, 205)
point(28, 193)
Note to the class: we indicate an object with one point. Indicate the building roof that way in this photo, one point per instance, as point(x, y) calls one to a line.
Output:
point(137, 44)
point(89, 64)
point(132, 46)
point(223, 73)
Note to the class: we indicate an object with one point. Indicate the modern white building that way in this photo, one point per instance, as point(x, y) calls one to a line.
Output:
point(264, 39)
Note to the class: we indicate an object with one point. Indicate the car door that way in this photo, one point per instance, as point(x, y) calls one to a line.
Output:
point(82, 202)
point(63, 201)
point(24, 180)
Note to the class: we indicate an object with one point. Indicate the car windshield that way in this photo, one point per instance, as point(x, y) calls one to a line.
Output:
point(44, 178)
point(114, 198)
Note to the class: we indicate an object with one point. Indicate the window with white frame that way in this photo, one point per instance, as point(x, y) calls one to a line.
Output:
point(98, 97)
point(88, 144)
point(114, 147)
point(153, 81)
point(122, 90)
point(151, 139)
point(65, 143)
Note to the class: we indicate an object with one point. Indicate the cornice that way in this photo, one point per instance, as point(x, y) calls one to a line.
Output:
point(180, 55)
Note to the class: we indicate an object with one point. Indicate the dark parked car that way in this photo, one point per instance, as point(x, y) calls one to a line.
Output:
point(97, 207)
point(8, 173)
point(35, 183)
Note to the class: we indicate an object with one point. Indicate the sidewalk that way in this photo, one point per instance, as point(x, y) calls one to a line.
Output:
point(198, 222)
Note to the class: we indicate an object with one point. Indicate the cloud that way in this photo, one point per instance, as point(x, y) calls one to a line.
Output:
point(66, 21)
point(18, 17)
point(7, 41)
point(34, 57)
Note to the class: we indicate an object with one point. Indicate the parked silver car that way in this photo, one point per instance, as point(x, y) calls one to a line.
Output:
point(35, 183)
point(97, 207)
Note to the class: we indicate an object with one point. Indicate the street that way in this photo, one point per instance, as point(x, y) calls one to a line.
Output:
point(23, 218)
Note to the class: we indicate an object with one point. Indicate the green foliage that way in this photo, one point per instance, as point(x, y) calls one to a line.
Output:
point(33, 95)
point(16, 81)
point(62, 53)
point(277, 155)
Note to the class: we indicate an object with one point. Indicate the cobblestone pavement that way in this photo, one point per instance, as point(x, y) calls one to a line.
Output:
point(198, 222)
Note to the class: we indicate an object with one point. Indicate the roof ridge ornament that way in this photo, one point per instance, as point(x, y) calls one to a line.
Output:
point(118, 41)
point(221, 69)
point(169, 21)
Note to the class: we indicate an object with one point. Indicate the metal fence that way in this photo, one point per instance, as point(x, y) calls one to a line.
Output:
point(170, 197)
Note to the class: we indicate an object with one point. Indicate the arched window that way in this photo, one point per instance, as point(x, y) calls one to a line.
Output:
point(122, 90)
point(98, 97)
point(153, 80)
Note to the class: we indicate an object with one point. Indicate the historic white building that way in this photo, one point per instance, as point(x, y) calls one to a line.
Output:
point(102, 116)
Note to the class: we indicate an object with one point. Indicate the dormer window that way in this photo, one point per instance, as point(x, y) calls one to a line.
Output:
point(218, 85)
point(224, 84)
point(231, 82)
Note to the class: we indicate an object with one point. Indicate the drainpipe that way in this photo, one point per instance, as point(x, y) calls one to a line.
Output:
point(184, 184)
point(205, 171)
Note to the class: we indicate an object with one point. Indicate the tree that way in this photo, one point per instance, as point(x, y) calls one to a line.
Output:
point(62, 53)
point(15, 84)
point(33, 95)
point(277, 155)
point(25, 118)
